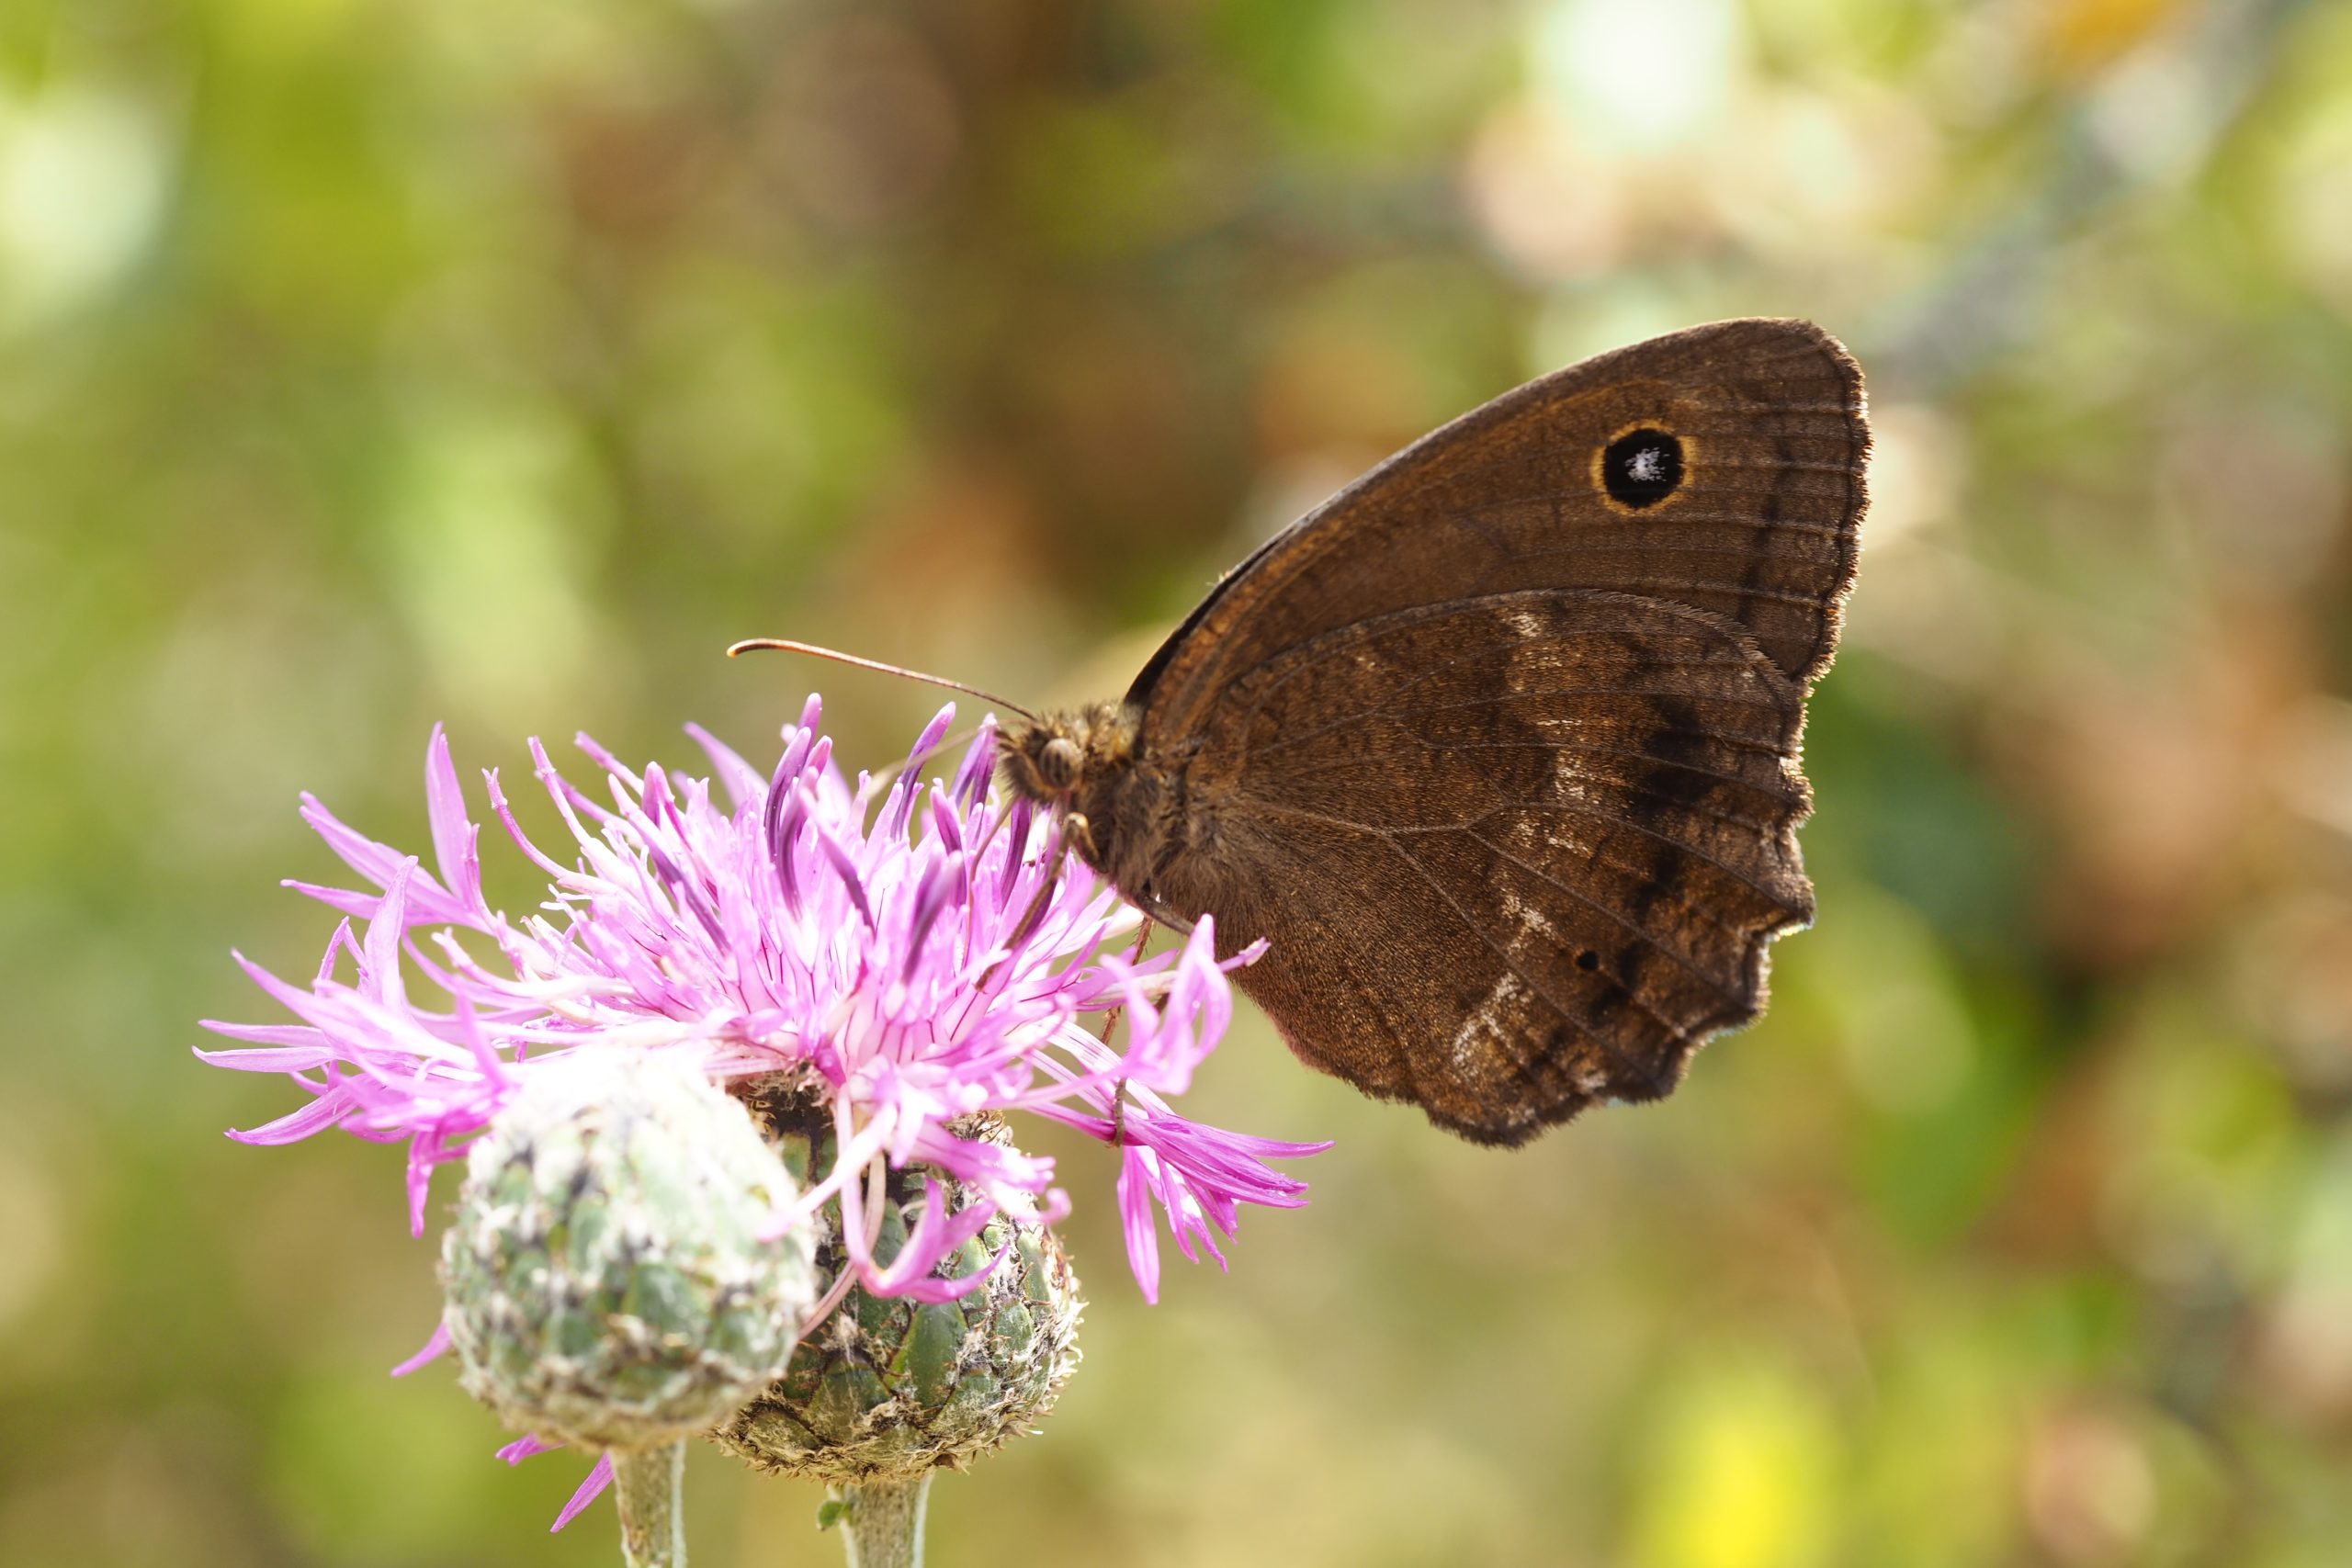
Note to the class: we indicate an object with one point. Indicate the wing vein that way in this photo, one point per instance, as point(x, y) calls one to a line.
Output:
point(1481, 932)
point(1583, 1024)
point(1295, 737)
point(1575, 809)
point(1682, 959)
point(1588, 748)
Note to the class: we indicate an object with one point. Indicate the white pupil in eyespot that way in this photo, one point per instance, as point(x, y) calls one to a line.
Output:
point(1647, 466)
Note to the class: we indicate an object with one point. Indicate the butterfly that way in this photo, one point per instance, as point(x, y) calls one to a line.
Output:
point(1498, 749)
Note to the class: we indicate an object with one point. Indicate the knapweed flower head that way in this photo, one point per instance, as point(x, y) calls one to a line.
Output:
point(914, 956)
point(608, 1285)
point(891, 1388)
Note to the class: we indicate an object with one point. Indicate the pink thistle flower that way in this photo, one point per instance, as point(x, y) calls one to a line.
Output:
point(919, 957)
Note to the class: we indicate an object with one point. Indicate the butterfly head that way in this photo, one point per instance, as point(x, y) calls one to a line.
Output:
point(1053, 759)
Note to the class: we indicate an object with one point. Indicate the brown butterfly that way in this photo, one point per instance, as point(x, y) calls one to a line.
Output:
point(1498, 747)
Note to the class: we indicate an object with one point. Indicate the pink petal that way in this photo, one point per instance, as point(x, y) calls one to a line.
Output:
point(956, 1289)
point(1134, 1218)
point(433, 1350)
point(268, 1059)
point(296, 1126)
point(590, 1489)
point(457, 842)
point(933, 1241)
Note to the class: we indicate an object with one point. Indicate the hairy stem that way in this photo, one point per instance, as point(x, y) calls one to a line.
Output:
point(647, 1482)
point(882, 1522)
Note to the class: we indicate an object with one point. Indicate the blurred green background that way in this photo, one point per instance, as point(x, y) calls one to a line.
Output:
point(365, 363)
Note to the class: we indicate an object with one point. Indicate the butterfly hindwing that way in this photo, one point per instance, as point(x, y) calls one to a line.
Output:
point(1516, 852)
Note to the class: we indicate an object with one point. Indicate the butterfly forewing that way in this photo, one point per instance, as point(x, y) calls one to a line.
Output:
point(1761, 528)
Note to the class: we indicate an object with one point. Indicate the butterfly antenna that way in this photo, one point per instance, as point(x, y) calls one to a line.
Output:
point(785, 645)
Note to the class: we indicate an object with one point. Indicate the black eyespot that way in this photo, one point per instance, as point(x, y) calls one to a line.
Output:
point(1588, 961)
point(1642, 468)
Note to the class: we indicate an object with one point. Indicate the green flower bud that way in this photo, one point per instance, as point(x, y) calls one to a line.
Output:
point(607, 1282)
point(888, 1387)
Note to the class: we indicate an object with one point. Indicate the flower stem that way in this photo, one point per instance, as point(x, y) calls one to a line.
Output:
point(653, 1526)
point(882, 1526)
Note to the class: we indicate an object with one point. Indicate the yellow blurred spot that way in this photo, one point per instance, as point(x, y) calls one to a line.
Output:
point(1917, 460)
point(83, 176)
point(2305, 1350)
point(1740, 1475)
point(2080, 36)
point(1647, 74)
point(2089, 1491)
point(2311, 202)
point(1546, 201)
point(29, 1219)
